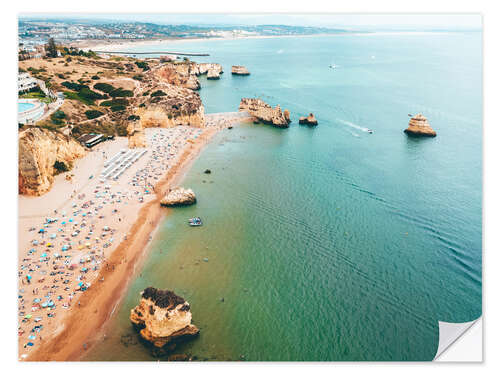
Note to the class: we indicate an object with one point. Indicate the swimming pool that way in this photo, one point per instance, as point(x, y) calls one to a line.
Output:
point(29, 110)
point(22, 107)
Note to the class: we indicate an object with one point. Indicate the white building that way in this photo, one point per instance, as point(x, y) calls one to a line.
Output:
point(26, 82)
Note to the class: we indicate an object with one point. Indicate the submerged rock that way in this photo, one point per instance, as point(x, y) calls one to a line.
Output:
point(309, 120)
point(163, 318)
point(207, 171)
point(419, 126)
point(179, 197)
point(239, 70)
point(263, 112)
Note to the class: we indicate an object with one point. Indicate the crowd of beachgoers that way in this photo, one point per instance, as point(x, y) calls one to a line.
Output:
point(68, 245)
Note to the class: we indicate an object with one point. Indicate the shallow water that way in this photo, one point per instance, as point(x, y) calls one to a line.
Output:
point(328, 243)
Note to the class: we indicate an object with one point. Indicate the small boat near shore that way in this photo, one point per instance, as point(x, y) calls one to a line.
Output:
point(195, 222)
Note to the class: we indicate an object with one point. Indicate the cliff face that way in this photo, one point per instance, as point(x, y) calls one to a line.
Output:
point(136, 136)
point(183, 75)
point(172, 105)
point(419, 126)
point(39, 149)
point(163, 318)
point(265, 113)
point(179, 197)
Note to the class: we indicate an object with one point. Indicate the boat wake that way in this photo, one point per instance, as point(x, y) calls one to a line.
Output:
point(355, 126)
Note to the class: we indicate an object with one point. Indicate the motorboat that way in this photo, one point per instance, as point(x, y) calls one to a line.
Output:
point(195, 222)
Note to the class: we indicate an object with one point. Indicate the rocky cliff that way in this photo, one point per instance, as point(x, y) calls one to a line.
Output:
point(239, 70)
point(39, 149)
point(179, 197)
point(163, 318)
point(136, 136)
point(265, 113)
point(180, 74)
point(419, 126)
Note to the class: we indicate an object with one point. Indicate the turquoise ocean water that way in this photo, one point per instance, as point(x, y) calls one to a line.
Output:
point(328, 243)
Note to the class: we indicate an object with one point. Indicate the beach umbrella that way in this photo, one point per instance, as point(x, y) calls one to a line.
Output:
point(65, 247)
point(41, 230)
point(28, 316)
point(70, 220)
point(63, 223)
point(53, 236)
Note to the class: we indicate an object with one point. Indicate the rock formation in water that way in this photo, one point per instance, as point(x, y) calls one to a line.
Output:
point(239, 70)
point(212, 70)
point(136, 136)
point(179, 197)
point(309, 120)
point(39, 149)
point(163, 319)
point(419, 126)
point(263, 112)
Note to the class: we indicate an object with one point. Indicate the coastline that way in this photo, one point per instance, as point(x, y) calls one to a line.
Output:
point(111, 45)
point(67, 337)
point(82, 324)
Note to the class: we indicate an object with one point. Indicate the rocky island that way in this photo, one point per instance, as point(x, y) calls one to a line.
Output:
point(309, 120)
point(419, 126)
point(263, 112)
point(239, 70)
point(163, 319)
point(179, 197)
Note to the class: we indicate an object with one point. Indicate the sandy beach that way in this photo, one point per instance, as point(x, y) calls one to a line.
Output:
point(81, 243)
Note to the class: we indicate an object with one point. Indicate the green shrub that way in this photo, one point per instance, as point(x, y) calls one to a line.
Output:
point(92, 113)
point(57, 117)
point(73, 86)
point(158, 93)
point(60, 167)
point(104, 87)
point(119, 92)
point(110, 103)
point(138, 77)
point(142, 105)
point(133, 118)
point(89, 94)
point(117, 108)
point(142, 65)
point(95, 78)
point(60, 75)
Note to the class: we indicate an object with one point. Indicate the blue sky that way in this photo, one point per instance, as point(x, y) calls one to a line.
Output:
point(384, 21)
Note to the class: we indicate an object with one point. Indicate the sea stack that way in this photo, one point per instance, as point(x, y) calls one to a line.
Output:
point(419, 126)
point(263, 112)
point(179, 197)
point(239, 70)
point(163, 319)
point(309, 120)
